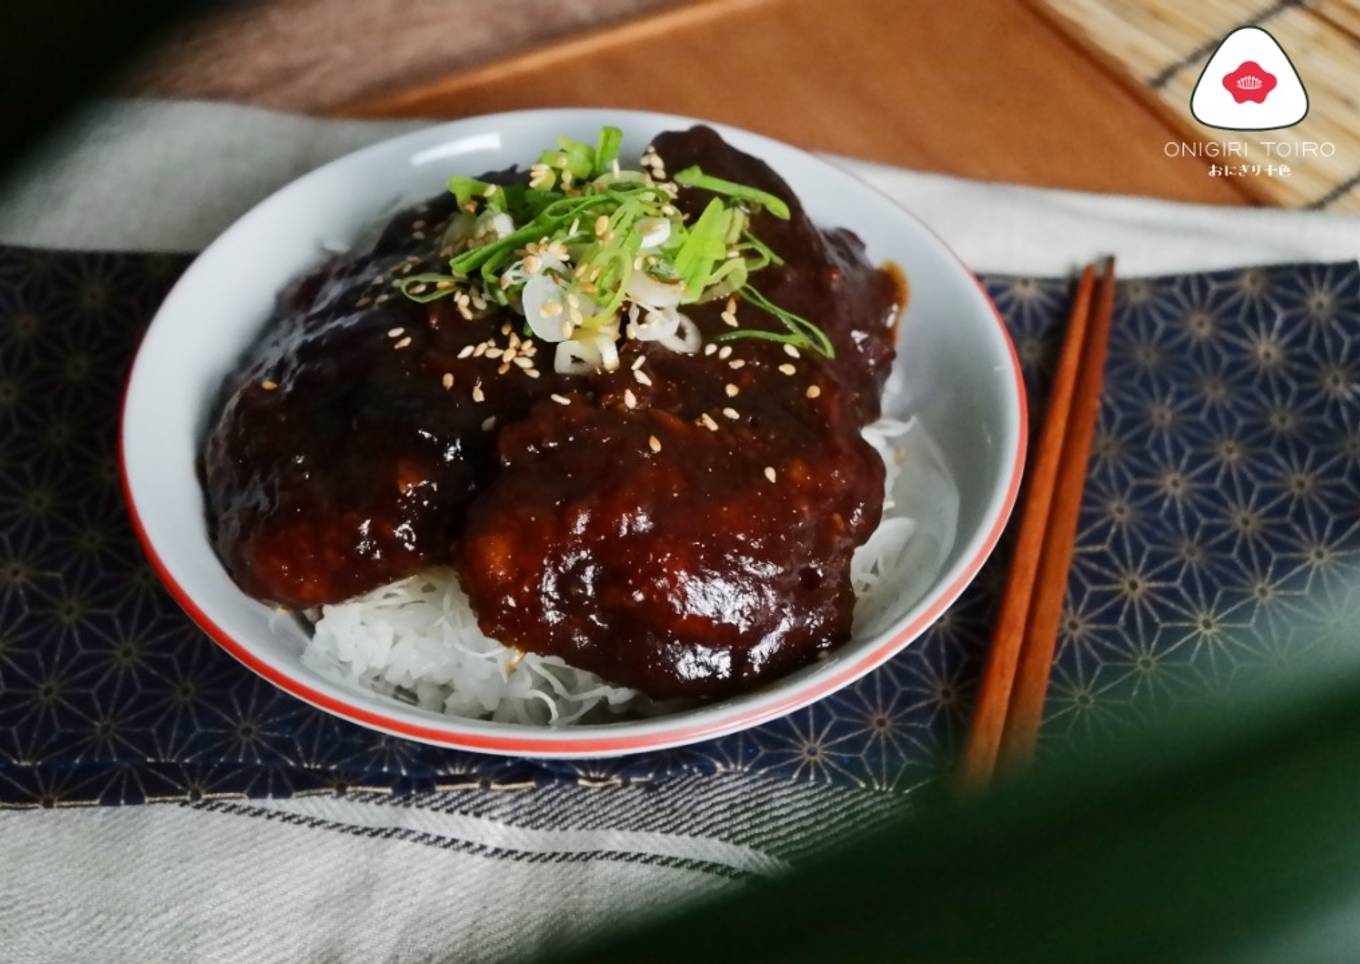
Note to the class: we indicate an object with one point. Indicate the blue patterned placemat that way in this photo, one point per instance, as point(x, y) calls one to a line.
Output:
point(1220, 533)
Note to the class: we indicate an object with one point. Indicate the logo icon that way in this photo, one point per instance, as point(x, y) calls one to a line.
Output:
point(1250, 81)
point(1249, 84)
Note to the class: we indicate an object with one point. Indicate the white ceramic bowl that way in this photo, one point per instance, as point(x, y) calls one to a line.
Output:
point(954, 357)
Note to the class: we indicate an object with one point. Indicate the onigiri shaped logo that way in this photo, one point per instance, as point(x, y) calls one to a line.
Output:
point(1249, 84)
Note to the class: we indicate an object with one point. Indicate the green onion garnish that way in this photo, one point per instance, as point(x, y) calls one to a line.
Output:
point(693, 177)
point(801, 332)
point(607, 149)
point(589, 243)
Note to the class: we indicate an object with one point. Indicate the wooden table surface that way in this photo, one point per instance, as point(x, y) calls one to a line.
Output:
point(988, 89)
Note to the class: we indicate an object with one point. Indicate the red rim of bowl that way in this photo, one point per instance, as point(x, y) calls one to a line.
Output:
point(601, 744)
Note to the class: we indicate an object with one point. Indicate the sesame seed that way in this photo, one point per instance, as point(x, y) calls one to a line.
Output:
point(481, 348)
point(654, 444)
point(641, 377)
point(465, 351)
point(731, 390)
point(769, 473)
point(418, 235)
point(268, 385)
point(710, 348)
point(730, 413)
point(629, 399)
point(417, 289)
point(504, 367)
point(567, 329)
point(813, 391)
point(363, 302)
point(788, 369)
point(791, 351)
point(488, 423)
point(496, 353)
point(560, 399)
point(395, 332)
point(736, 364)
point(522, 362)
point(465, 312)
point(403, 343)
point(601, 226)
point(729, 319)
point(708, 423)
point(443, 285)
point(725, 351)
point(477, 394)
point(731, 306)
point(639, 361)
point(447, 380)
point(532, 372)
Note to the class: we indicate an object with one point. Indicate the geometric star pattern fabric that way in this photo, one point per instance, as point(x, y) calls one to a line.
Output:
point(1219, 538)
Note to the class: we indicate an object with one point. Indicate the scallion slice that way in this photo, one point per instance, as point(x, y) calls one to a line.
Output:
point(607, 149)
point(694, 177)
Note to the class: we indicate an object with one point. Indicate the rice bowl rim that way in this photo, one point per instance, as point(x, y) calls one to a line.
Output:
point(766, 703)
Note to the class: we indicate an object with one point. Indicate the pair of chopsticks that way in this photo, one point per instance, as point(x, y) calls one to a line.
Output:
point(1014, 684)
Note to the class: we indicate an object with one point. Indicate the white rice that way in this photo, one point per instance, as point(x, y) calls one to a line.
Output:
point(417, 639)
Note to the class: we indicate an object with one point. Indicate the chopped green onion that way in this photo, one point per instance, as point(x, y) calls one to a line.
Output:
point(607, 149)
point(469, 189)
point(801, 332)
point(703, 247)
point(571, 156)
point(597, 220)
point(767, 256)
point(694, 177)
point(429, 283)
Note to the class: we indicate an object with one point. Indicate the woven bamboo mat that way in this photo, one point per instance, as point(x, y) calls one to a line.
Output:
point(1163, 45)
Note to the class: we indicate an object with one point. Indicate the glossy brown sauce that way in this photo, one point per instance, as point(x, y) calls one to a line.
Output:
point(691, 544)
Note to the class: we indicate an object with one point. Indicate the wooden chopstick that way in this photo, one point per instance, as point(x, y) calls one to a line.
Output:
point(995, 693)
point(1041, 632)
